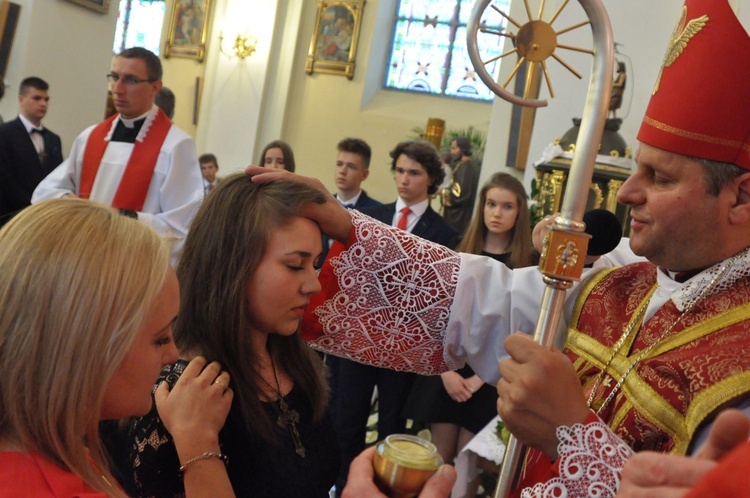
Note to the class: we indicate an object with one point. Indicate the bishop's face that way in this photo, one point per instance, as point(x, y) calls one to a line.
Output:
point(675, 222)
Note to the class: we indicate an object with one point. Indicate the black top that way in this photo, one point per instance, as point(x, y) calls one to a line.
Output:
point(255, 468)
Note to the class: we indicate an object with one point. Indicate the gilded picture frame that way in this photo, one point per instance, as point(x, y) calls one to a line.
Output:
point(333, 47)
point(97, 5)
point(188, 29)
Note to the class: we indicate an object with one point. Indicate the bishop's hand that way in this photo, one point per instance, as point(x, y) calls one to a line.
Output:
point(539, 391)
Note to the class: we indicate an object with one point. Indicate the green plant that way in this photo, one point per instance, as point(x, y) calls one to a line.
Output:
point(477, 138)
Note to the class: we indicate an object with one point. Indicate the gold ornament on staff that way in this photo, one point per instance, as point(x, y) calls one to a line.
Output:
point(561, 265)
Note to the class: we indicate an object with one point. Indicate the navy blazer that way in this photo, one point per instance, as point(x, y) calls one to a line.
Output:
point(364, 202)
point(20, 167)
point(431, 226)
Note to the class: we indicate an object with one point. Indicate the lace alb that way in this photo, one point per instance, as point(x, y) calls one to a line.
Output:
point(591, 458)
point(393, 303)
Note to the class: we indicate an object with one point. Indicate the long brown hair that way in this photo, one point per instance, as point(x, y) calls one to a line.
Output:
point(225, 246)
point(476, 235)
point(286, 151)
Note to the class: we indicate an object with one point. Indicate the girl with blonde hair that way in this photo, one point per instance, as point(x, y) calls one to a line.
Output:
point(87, 299)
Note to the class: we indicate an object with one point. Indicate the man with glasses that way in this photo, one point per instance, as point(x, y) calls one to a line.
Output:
point(137, 161)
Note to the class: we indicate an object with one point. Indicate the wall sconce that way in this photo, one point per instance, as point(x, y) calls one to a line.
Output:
point(244, 46)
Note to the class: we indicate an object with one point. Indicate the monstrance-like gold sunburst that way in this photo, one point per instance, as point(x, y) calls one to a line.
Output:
point(535, 42)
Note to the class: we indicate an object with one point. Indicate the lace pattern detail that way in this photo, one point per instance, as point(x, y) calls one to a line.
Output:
point(394, 299)
point(591, 458)
point(737, 267)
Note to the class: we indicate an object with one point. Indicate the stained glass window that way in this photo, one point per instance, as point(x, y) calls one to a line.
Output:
point(139, 24)
point(429, 55)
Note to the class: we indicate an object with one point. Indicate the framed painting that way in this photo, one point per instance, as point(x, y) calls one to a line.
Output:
point(188, 29)
point(97, 5)
point(334, 43)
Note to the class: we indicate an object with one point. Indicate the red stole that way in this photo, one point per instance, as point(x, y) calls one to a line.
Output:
point(133, 187)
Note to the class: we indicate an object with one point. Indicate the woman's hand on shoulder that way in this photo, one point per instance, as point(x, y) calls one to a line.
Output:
point(195, 409)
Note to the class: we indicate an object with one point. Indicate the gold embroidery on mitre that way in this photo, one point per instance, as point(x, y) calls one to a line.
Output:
point(724, 142)
point(682, 34)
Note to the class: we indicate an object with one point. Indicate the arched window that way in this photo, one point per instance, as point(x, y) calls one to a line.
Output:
point(139, 24)
point(428, 52)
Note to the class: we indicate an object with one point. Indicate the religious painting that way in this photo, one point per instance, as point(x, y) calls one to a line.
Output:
point(97, 5)
point(188, 29)
point(334, 43)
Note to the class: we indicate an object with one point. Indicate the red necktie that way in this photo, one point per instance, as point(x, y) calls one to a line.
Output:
point(404, 217)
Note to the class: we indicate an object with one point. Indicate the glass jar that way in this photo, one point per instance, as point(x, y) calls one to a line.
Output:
point(404, 463)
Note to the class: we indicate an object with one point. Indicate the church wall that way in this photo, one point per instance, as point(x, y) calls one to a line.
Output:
point(325, 108)
point(70, 47)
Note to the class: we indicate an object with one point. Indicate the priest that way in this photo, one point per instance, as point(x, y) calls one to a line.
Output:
point(137, 161)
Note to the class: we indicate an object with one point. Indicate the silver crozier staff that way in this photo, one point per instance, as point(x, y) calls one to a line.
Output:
point(564, 252)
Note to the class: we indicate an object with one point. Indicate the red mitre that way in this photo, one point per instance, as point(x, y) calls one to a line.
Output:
point(700, 105)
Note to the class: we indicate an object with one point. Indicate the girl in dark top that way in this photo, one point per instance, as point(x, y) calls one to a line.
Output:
point(458, 404)
point(500, 227)
point(246, 276)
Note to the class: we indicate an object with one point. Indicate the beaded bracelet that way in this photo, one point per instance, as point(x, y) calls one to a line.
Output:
point(204, 456)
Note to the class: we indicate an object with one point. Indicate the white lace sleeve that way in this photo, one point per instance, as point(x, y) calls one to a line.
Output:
point(591, 458)
point(393, 301)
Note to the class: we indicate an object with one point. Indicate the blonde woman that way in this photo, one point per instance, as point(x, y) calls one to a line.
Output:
point(87, 300)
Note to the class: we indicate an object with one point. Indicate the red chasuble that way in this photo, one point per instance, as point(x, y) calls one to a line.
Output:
point(681, 383)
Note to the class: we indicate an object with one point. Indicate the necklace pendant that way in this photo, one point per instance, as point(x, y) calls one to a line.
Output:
point(288, 419)
point(300, 450)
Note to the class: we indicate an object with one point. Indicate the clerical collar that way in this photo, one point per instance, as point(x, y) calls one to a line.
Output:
point(127, 130)
point(681, 276)
point(738, 266)
point(132, 123)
